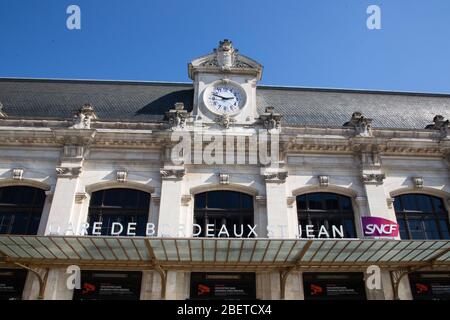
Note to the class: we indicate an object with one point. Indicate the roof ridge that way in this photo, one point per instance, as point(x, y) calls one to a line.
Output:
point(262, 87)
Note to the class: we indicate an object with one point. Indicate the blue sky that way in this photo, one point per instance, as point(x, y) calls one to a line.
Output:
point(312, 43)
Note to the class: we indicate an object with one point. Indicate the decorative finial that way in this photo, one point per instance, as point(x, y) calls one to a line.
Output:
point(226, 54)
point(82, 118)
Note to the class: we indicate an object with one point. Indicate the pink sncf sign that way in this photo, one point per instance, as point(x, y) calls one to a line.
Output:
point(379, 227)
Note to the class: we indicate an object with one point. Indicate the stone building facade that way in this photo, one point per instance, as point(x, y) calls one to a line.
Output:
point(74, 138)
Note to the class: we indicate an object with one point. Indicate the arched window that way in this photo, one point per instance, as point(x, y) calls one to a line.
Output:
point(20, 210)
point(223, 208)
point(421, 216)
point(119, 205)
point(324, 210)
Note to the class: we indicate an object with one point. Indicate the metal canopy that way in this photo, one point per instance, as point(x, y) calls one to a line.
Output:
point(209, 253)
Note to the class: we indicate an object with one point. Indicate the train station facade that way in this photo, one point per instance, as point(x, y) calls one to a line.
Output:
point(222, 188)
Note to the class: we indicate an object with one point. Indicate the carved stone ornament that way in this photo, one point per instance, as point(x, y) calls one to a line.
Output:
point(73, 151)
point(277, 177)
point(225, 120)
point(156, 199)
point(68, 172)
point(323, 181)
point(261, 201)
point(186, 199)
point(172, 173)
point(361, 124)
point(270, 120)
point(373, 178)
point(440, 124)
point(82, 118)
point(418, 182)
point(290, 201)
point(224, 178)
point(80, 197)
point(17, 173)
point(121, 176)
point(2, 113)
point(176, 117)
point(390, 202)
point(226, 57)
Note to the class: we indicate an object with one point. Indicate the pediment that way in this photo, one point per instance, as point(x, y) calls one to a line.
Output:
point(225, 59)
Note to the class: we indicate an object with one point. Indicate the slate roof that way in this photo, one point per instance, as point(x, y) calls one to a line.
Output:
point(148, 101)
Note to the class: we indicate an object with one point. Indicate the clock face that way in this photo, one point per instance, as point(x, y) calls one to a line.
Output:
point(225, 99)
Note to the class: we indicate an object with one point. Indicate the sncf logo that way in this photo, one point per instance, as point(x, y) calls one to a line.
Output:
point(379, 227)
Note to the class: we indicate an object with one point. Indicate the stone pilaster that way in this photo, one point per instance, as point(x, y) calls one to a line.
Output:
point(277, 204)
point(170, 208)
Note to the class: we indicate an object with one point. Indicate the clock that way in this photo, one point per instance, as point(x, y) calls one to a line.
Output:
point(225, 98)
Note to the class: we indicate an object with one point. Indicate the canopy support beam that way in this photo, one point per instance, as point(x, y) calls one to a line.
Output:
point(399, 274)
point(42, 280)
point(285, 274)
point(156, 265)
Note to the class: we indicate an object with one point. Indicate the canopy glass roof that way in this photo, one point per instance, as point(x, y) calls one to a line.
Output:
point(208, 252)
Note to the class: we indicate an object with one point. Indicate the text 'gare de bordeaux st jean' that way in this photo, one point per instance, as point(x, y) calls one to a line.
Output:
point(298, 191)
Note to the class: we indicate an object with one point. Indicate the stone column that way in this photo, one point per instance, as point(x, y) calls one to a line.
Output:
point(170, 205)
point(278, 225)
point(61, 210)
point(379, 203)
point(170, 219)
point(277, 205)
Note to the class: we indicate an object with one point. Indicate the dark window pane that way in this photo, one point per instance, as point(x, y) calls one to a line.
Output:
point(214, 200)
point(423, 203)
point(346, 204)
point(301, 202)
point(326, 210)
point(5, 222)
point(422, 213)
point(34, 223)
point(24, 196)
point(200, 200)
point(443, 225)
point(39, 199)
point(409, 203)
point(438, 205)
point(331, 201)
point(21, 209)
point(431, 229)
point(7, 196)
point(416, 228)
point(121, 205)
point(402, 227)
point(20, 223)
point(144, 200)
point(349, 228)
point(129, 198)
point(112, 198)
point(247, 201)
point(224, 208)
point(315, 201)
point(96, 199)
point(397, 204)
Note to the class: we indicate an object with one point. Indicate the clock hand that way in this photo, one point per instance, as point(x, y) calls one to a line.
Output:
point(222, 97)
point(214, 94)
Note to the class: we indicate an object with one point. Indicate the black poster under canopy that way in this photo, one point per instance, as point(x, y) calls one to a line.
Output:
point(430, 285)
point(223, 286)
point(109, 285)
point(334, 286)
point(12, 282)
